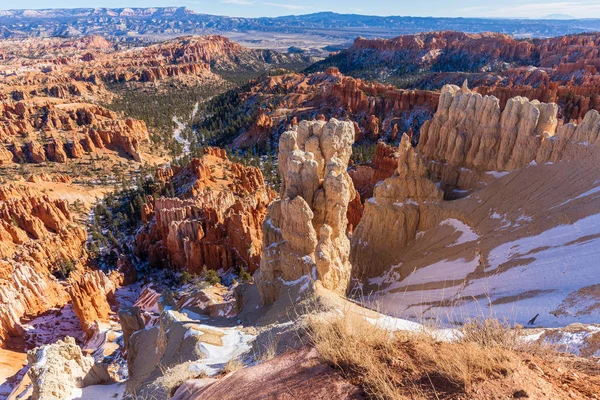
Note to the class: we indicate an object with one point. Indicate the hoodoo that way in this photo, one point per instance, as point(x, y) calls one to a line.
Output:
point(305, 232)
point(402, 205)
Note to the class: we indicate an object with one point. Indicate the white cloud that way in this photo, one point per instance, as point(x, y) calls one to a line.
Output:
point(578, 9)
point(288, 6)
point(238, 2)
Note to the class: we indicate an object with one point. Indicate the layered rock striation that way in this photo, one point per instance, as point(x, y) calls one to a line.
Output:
point(305, 231)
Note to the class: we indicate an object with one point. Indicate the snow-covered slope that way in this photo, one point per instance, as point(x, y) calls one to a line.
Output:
point(528, 244)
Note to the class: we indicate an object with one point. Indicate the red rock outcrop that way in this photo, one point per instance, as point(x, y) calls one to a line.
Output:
point(384, 164)
point(44, 177)
point(258, 133)
point(563, 70)
point(375, 107)
point(89, 293)
point(84, 123)
point(37, 237)
point(40, 243)
point(215, 222)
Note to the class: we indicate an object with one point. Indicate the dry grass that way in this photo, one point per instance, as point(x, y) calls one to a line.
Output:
point(406, 365)
point(233, 365)
point(168, 383)
point(267, 351)
point(490, 333)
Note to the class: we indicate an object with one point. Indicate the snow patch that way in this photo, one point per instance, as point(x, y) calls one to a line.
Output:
point(466, 233)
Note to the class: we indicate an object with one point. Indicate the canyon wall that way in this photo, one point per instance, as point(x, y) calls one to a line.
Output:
point(305, 231)
point(380, 110)
point(39, 130)
point(563, 70)
point(468, 144)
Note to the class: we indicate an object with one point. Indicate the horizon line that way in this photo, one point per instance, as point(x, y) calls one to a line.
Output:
point(543, 18)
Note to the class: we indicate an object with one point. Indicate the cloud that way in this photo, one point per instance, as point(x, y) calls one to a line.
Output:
point(537, 9)
point(238, 2)
point(288, 6)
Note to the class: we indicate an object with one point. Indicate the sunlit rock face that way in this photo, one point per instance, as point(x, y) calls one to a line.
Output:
point(305, 232)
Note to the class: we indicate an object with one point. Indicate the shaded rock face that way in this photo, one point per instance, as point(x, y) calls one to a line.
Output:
point(305, 231)
point(174, 341)
point(215, 221)
point(402, 205)
point(57, 369)
point(131, 321)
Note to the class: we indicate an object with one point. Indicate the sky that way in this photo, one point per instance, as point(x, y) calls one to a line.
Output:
point(269, 8)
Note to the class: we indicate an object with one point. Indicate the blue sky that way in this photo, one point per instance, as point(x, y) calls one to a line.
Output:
point(256, 8)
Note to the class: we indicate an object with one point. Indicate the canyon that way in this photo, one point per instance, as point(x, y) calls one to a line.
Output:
point(316, 233)
point(380, 111)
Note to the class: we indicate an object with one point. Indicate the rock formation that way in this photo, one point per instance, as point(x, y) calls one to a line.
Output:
point(36, 236)
point(305, 231)
point(376, 108)
point(131, 321)
point(402, 205)
point(383, 166)
point(51, 89)
point(86, 125)
point(58, 369)
point(215, 222)
point(173, 341)
point(470, 135)
point(40, 244)
point(562, 70)
point(89, 292)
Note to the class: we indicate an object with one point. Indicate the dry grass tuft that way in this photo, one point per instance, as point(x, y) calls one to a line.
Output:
point(490, 333)
point(171, 379)
point(268, 351)
point(233, 365)
point(405, 365)
point(353, 345)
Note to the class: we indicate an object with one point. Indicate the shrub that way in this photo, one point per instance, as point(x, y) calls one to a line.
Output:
point(186, 278)
point(65, 268)
point(212, 277)
point(244, 276)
